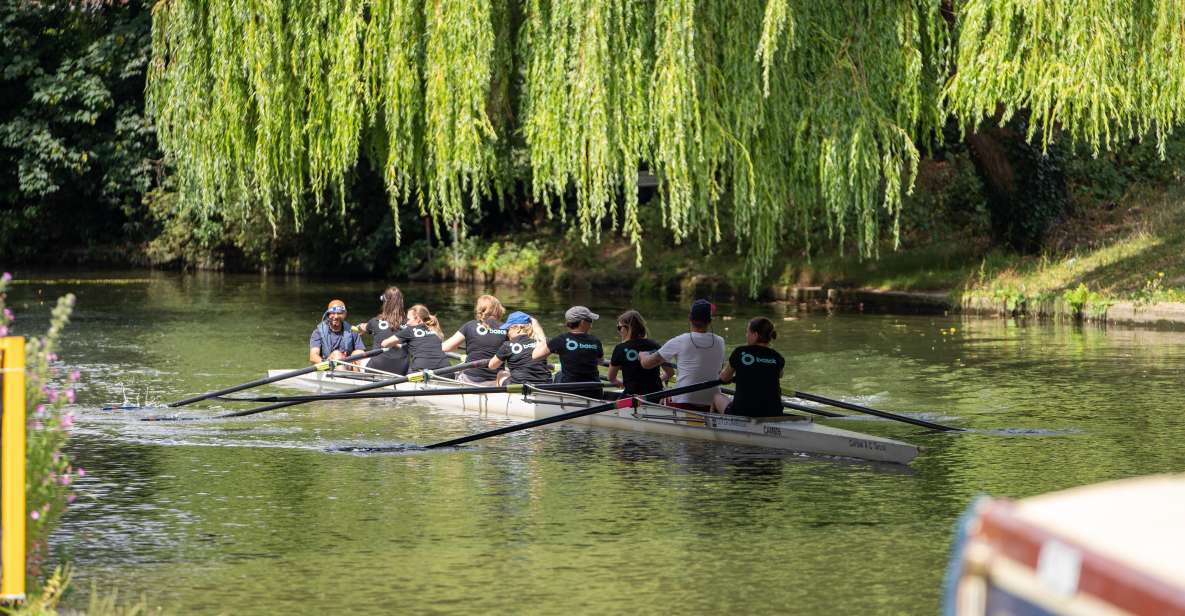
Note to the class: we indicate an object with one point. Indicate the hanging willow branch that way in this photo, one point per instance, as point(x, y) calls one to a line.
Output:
point(759, 119)
point(1102, 70)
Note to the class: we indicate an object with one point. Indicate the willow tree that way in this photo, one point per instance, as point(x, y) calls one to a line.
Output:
point(787, 117)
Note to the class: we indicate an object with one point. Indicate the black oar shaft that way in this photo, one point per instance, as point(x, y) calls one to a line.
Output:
point(279, 405)
point(871, 411)
point(449, 391)
point(360, 388)
point(592, 410)
point(325, 365)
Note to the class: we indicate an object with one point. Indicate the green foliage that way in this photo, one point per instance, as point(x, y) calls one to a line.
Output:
point(72, 130)
point(253, 108)
point(1154, 291)
point(949, 200)
point(1083, 301)
point(1101, 70)
point(49, 472)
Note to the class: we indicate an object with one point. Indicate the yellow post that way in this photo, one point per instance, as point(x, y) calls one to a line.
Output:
point(12, 469)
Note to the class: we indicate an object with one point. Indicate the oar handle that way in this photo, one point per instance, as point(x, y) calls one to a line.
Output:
point(592, 410)
point(324, 365)
point(871, 411)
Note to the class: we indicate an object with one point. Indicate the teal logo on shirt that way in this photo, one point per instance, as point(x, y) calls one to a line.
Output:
point(631, 355)
point(517, 348)
point(749, 359)
point(482, 330)
point(572, 345)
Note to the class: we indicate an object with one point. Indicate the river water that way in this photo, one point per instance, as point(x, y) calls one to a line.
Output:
point(254, 516)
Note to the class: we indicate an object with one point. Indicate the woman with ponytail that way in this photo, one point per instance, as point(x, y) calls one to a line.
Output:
point(757, 370)
point(389, 320)
point(420, 336)
point(482, 337)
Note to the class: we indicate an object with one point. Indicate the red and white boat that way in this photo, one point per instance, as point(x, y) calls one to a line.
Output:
point(1110, 548)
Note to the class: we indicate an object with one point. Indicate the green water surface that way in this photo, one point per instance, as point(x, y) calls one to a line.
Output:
point(254, 516)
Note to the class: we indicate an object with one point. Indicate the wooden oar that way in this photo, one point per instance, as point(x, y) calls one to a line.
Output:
point(786, 404)
point(592, 410)
point(322, 366)
point(454, 391)
point(419, 376)
point(871, 411)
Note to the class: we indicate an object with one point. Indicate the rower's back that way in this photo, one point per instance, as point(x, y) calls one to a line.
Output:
point(699, 356)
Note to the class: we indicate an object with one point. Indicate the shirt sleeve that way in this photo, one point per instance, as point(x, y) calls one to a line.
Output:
point(555, 345)
point(670, 350)
point(600, 350)
point(315, 338)
point(734, 359)
point(404, 334)
point(503, 351)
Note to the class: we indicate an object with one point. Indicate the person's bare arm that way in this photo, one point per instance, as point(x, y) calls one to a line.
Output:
point(495, 363)
point(391, 341)
point(453, 343)
point(541, 350)
point(668, 373)
point(727, 373)
point(314, 355)
point(613, 376)
point(538, 329)
point(649, 359)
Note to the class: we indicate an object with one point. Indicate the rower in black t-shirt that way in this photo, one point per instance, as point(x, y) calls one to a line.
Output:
point(482, 337)
point(421, 337)
point(383, 326)
point(635, 380)
point(517, 353)
point(580, 352)
point(394, 360)
point(757, 370)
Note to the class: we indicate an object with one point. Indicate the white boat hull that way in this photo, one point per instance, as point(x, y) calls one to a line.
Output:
point(800, 435)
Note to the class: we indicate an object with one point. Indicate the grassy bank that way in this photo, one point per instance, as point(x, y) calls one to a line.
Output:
point(1128, 251)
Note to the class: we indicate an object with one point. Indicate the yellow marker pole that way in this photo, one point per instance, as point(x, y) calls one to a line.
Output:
point(12, 469)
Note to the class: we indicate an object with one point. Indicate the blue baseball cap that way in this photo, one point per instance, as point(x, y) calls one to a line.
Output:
point(516, 318)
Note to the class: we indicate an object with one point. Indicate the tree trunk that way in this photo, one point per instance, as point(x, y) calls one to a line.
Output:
point(1026, 188)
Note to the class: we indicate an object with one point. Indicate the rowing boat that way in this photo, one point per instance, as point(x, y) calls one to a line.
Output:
point(788, 433)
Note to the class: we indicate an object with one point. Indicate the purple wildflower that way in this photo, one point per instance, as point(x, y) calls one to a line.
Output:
point(36, 515)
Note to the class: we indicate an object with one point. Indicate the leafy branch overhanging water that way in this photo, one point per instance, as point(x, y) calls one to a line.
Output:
point(783, 118)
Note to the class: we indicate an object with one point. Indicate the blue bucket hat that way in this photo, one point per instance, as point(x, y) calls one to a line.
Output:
point(516, 318)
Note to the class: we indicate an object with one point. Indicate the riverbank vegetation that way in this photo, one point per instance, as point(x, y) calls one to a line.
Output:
point(49, 472)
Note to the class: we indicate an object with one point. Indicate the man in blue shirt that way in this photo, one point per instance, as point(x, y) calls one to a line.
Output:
point(332, 338)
